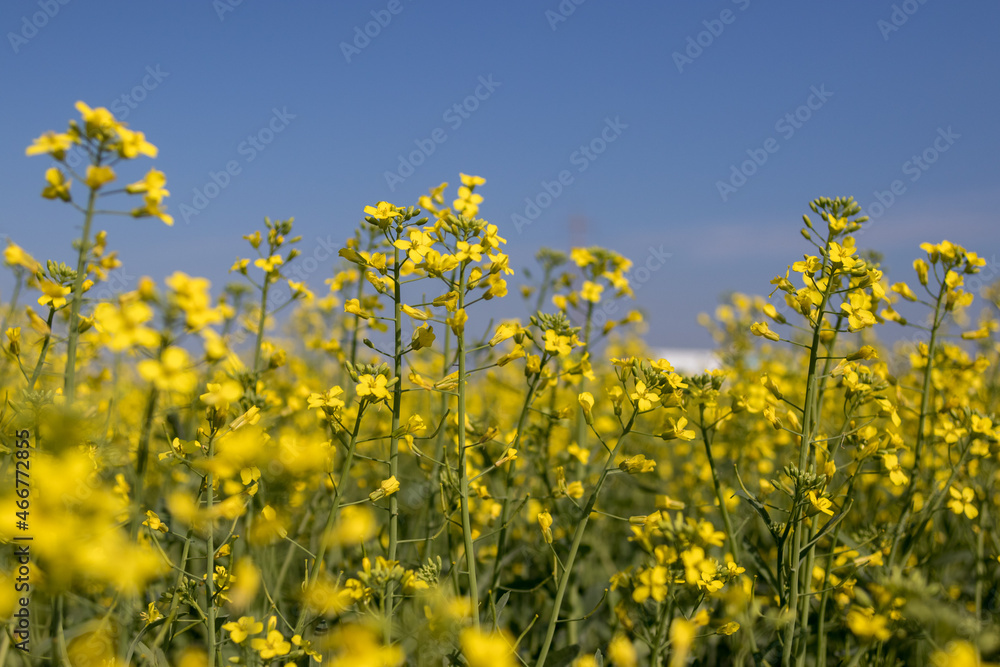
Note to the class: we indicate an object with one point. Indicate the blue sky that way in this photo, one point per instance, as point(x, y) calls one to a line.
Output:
point(644, 108)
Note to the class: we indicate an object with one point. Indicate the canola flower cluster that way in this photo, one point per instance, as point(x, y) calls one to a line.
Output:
point(382, 475)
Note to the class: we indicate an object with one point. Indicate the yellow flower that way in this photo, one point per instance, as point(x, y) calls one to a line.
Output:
point(457, 321)
point(415, 314)
point(15, 255)
point(961, 501)
point(373, 387)
point(896, 474)
point(469, 181)
point(858, 315)
point(486, 649)
point(134, 144)
point(653, 584)
point(386, 488)
point(272, 646)
point(582, 257)
point(14, 340)
point(677, 430)
point(637, 464)
point(153, 183)
point(52, 144)
point(957, 654)
point(221, 394)
point(241, 629)
point(99, 123)
point(682, 633)
point(355, 525)
point(621, 652)
point(99, 176)
point(382, 211)
point(545, 523)
point(422, 337)
point(154, 523)
point(123, 324)
point(503, 332)
point(865, 623)
point(53, 294)
point(761, 329)
point(820, 503)
point(586, 400)
point(58, 185)
point(644, 398)
point(561, 345)
point(465, 251)
point(172, 371)
point(353, 306)
point(729, 628)
point(591, 291)
point(269, 264)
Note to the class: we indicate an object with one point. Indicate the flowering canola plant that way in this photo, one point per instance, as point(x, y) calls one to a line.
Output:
point(371, 471)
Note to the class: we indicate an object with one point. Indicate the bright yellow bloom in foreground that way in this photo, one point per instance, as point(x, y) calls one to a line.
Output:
point(373, 388)
point(961, 501)
point(241, 629)
point(486, 649)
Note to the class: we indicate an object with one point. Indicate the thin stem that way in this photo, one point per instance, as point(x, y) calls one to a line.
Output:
point(470, 554)
point(581, 527)
point(397, 397)
point(81, 269)
point(338, 493)
point(210, 556)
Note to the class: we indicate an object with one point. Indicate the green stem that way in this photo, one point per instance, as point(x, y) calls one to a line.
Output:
point(260, 324)
point(81, 269)
point(809, 418)
point(925, 396)
point(44, 353)
point(345, 472)
point(210, 557)
point(581, 527)
point(707, 437)
point(463, 482)
point(397, 398)
point(508, 483)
